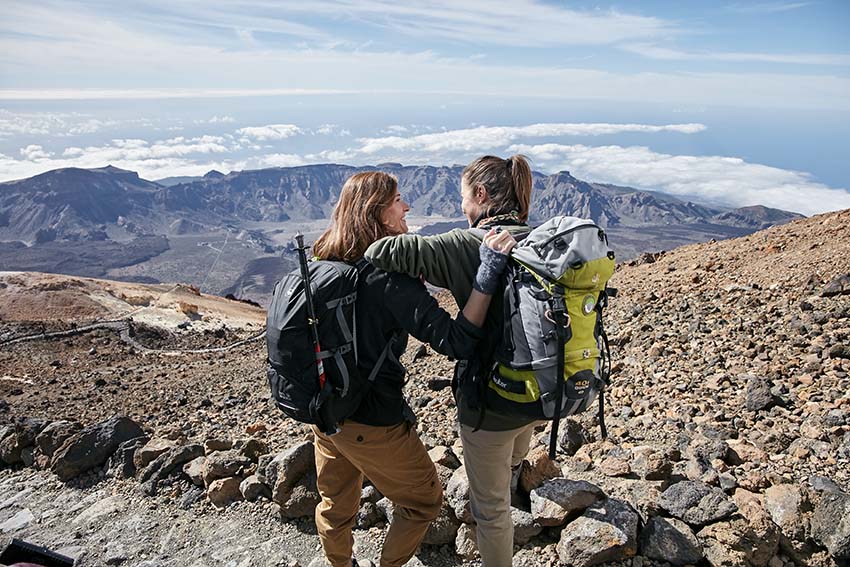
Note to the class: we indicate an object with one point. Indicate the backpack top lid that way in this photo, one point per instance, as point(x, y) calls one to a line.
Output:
point(560, 248)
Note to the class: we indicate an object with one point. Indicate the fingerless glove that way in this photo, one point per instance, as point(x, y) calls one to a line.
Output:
point(493, 263)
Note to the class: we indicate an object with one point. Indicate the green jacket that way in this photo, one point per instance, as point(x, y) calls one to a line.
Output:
point(449, 260)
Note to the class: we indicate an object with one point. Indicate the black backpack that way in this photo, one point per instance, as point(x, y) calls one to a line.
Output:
point(292, 369)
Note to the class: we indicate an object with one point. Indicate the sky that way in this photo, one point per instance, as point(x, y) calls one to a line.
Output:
point(724, 103)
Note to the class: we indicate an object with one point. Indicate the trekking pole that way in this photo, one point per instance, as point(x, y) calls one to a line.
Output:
point(311, 310)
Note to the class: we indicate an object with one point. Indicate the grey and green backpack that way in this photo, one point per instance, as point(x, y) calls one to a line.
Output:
point(553, 358)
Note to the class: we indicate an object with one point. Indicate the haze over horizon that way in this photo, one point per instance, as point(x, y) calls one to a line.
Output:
point(728, 104)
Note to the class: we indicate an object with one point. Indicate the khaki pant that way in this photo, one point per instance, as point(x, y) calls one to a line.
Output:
point(396, 462)
point(488, 457)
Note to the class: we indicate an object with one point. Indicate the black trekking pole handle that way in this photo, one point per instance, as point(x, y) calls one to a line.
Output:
point(311, 309)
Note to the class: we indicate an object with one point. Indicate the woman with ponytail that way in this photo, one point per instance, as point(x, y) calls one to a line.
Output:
point(495, 194)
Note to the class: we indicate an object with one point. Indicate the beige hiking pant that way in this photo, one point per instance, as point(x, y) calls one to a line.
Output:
point(488, 457)
point(396, 462)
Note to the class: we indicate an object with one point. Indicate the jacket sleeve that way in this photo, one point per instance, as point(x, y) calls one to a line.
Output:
point(417, 312)
point(447, 260)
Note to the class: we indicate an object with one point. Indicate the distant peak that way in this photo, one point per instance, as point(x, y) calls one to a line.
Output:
point(213, 174)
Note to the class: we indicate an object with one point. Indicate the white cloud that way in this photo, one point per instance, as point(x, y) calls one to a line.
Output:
point(331, 129)
point(280, 160)
point(224, 119)
point(270, 131)
point(668, 54)
point(34, 153)
point(489, 137)
point(767, 7)
point(719, 180)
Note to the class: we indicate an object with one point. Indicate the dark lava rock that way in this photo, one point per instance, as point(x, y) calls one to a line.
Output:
point(92, 446)
point(697, 503)
point(830, 524)
point(670, 540)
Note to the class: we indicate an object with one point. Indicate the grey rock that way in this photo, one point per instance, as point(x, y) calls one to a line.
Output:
point(122, 463)
point(830, 524)
point(302, 499)
point(572, 435)
point(92, 446)
point(758, 395)
point(170, 461)
point(370, 494)
point(671, 540)
point(457, 495)
point(786, 505)
point(223, 464)
point(444, 456)
point(252, 489)
point(697, 503)
point(368, 515)
point(194, 469)
point(19, 436)
point(213, 444)
point(838, 286)
point(17, 522)
point(525, 527)
point(287, 468)
point(443, 529)
point(466, 542)
point(606, 532)
point(556, 500)
point(190, 497)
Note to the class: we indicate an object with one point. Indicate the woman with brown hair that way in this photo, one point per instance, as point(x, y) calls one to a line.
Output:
point(495, 194)
point(378, 441)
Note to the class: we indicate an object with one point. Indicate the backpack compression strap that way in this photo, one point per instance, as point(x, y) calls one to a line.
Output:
point(562, 324)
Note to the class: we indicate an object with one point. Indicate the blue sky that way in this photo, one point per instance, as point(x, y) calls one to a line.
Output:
point(729, 103)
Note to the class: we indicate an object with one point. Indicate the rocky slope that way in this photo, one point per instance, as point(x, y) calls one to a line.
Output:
point(729, 436)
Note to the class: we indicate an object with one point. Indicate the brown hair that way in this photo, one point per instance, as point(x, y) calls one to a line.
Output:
point(507, 181)
point(356, 221)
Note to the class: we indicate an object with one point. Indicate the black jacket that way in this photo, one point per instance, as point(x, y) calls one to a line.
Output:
point(389, 304)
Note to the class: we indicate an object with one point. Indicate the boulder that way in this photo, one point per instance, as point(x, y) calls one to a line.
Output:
point(457, 495)
point(443, 529)
point(224, 491)
point(670, 540)
point(194, 469)
point(252, 489)
point(368, 515)
point(223, 464)
point(16, 438)
point(151, 450)
point(697, 503)
point(537, 468)
point(830, 524)
point(286, 469)
point(302, 498)
point(217, 444)
point(51, 438)
point(556, 500)
point(571, 436)
point(525, 527)
point(122, 463)
point(786, 505)
point(466, 542)
point(170, 461)
point(758, 395)
point(606, 532)
point(92, 446)
point(838, 286)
